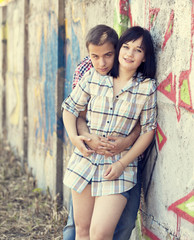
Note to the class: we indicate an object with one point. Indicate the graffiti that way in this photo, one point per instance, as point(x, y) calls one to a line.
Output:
point(153, 13)
point(48, 71)
point(183, 208)
point(161, 138)
point(16, 106)
point(148, 235)
point(122, 15)
point(73, 58)
point(169, 30)
point(5, 2)
point(169, 85)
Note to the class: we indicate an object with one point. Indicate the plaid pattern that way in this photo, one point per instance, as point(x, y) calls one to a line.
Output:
point(109, 115)
point(81, 69)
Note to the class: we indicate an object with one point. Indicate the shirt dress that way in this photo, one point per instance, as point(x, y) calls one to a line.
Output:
point(109, 115)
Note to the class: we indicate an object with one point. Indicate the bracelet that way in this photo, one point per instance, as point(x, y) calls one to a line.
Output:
point(121, 164)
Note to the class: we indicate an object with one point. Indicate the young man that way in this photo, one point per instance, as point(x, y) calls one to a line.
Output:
point(101, 43)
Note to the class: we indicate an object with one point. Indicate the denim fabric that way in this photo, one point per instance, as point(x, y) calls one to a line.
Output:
point(127, 221)
point(69, 229)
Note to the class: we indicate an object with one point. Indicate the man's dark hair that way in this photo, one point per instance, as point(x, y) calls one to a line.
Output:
point(101, 34)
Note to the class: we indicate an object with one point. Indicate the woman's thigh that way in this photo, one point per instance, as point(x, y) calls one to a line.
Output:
point(106, 214)
point(83, 204)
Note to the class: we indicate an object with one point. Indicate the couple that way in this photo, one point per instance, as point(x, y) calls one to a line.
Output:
point(118, 97)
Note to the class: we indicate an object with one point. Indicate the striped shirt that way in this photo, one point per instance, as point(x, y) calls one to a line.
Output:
point(109, 115)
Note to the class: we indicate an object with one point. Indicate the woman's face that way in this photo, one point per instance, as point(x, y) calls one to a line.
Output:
point(131, 55)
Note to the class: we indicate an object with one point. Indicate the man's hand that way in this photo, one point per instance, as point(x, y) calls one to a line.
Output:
point(119, 143)
point(100, 145)
point(113, 171)
point(78, 141)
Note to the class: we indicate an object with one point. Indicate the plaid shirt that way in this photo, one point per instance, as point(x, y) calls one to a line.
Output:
point(81, 69)
point(109, 115)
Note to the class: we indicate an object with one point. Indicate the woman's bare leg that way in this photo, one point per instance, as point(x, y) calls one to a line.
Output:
point(106, 214)
point(83, 204)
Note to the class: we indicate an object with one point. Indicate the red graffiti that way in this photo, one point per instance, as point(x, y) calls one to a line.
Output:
point(169, 30)
point(153, 13)
point(149, 234)
point(124, 7)
point(181, 208)
point(161, 138)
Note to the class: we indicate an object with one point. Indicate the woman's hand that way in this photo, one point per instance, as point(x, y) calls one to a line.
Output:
point(114, 171)
point(78, 141)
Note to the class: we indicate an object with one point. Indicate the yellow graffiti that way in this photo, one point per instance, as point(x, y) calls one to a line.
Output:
point(159, 136)
point(14, 119)
point(168, 88)
point(66, 30)
point(5, 2)
point(77, 19)
point(185, 92)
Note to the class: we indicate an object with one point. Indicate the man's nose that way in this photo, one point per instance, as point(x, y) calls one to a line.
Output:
point(102, 62)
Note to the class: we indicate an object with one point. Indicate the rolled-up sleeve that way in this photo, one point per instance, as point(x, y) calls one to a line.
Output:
point(148, 119)
point(79, 97)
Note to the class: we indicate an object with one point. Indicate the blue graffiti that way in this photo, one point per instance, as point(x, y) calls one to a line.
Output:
point(48, 64)
point(72, 61)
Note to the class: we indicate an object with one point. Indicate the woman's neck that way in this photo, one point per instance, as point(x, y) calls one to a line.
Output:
point(125, 75)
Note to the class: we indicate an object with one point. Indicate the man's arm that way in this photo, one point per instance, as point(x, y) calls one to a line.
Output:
point(99, 144)
point(109, 146)
point(122, 143)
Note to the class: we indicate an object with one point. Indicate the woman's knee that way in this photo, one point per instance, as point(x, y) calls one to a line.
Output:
point(82, 230)
point(100, 233)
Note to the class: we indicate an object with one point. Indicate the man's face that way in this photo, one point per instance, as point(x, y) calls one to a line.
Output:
point(102, 57)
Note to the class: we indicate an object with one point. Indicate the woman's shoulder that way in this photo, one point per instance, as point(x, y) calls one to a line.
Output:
point(148, 83)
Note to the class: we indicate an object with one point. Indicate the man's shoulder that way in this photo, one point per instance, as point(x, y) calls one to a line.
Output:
point(84, 66)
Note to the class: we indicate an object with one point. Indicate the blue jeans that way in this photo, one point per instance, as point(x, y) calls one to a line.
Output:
point(127, 220)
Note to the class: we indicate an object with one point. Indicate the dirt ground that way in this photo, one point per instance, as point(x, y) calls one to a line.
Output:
point(25, 212)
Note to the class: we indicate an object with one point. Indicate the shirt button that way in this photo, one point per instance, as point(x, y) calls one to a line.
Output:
point(117, 96)
point(110, 108)
point(104, 136)
point(107, 121)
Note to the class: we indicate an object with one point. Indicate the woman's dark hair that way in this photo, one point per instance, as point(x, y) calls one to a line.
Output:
point(101, 34)
point(147, 68)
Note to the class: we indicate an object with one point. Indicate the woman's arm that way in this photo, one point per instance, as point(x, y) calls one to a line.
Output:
point(69, 120)
point(115, 170)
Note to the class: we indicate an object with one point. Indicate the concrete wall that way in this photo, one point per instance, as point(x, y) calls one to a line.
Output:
point(43, 84)
point(1, 73)
point(168, 174)
point(32, 73)
point(33, 83)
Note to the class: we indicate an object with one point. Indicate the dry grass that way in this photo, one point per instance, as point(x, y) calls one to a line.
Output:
point(25, 212)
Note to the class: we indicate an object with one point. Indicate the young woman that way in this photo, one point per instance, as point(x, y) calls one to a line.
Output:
point(114, 106)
